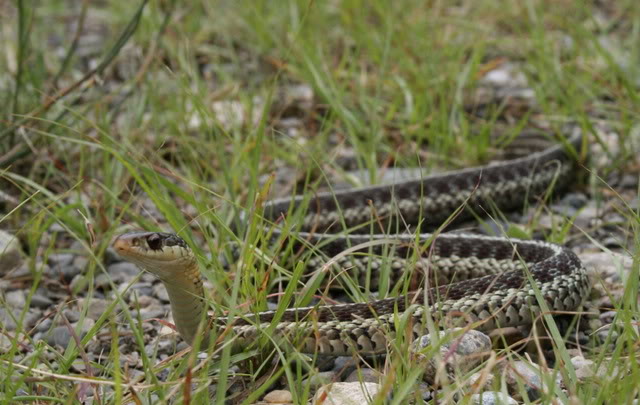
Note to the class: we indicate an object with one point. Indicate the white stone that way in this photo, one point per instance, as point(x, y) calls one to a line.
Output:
point(492, 398)
point(10, 252)
point(354, 393)
point(278, 397)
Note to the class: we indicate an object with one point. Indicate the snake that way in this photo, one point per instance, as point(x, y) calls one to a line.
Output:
point(486, 282)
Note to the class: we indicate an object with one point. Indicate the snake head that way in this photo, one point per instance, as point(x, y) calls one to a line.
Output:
point(162, 254)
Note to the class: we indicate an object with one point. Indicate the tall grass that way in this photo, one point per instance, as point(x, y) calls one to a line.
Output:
point(82, 143)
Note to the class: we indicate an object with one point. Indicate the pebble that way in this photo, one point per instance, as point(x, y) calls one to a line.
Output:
point(44, 325)
point(97, 307)
point(24, 270)
point(492, 398)
point(160, 292)
point(5, 343)
point(80, 264)
point(506, 76)
point(606, 264)
point(71, 314)
point(11, 255)
point(586, 368)
point(342, 363)
point(153, 311)
point(612, 242)
point(278, 397)
point(61, 259)
point(364, 375)
point(6, 320)
point(469, 350)
point(347, 393)
point(79, 283)
point(122, 271)
point(319, 379)
point(570, 204)
point(522, 374)
point(59, 336)
point(41, 301)
point(136, 290)
point(15, 299)
point(608, 317)
point(145, 300)
point(32, 317)
point(111, 257)
point(476, 379)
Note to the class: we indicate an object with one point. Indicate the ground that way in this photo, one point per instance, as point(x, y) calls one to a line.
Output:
point(178, 117)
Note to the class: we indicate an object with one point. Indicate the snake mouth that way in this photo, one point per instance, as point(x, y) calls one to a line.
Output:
point(151, 241)
point(150, 249)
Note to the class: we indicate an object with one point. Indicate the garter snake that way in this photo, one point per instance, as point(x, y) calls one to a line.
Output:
point(493, 274)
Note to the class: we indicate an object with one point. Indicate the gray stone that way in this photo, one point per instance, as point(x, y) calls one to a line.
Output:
point(15, 299)
point(461, 353)
point(481, 379)
point(11, 255)
point(44, 325)
point(101, 281)
point(6, 319)
point(59, 336)
point(569, 205)
point(24, 270)
point(5, 343)
point(123, 271)
point(61, 259)
point(612, 242)
point(605, 264)
point(80, 264)
point(160, 292)
point(492, 398)
point(39, 300)
point(607, 317)
point(343, 363)
point(136, 290)
point(71, 314)
point(520, 373)
point(110, 256)
point(145, 300)
point(322, 378)
point(65, 273)
point(97, 307)
point(153, 311)
point(364, 375)
point(586, 369)
point(32, 317)
point(353, 393)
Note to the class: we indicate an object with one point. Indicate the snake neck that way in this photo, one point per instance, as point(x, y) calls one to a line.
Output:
point(186, 294)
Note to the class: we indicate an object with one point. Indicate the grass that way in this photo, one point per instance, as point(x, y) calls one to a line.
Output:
point(83, 142)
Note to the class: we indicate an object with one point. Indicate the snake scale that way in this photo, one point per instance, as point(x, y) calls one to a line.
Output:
point(480, 279)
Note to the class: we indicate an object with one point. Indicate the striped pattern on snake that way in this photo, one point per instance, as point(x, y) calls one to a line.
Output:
point(487, 279)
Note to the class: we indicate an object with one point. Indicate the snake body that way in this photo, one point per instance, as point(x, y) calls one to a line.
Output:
point(488, 281)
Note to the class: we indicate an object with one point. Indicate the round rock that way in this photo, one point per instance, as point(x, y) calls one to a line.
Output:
point(354, 393)
point(122, 271)
point(364, 375)
point(278, 397)
point(461, 353)
point(520, 373)
point(10, 252)
point(492, 398)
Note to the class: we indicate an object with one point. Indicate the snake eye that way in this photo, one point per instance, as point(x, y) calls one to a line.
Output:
point(154, 242)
